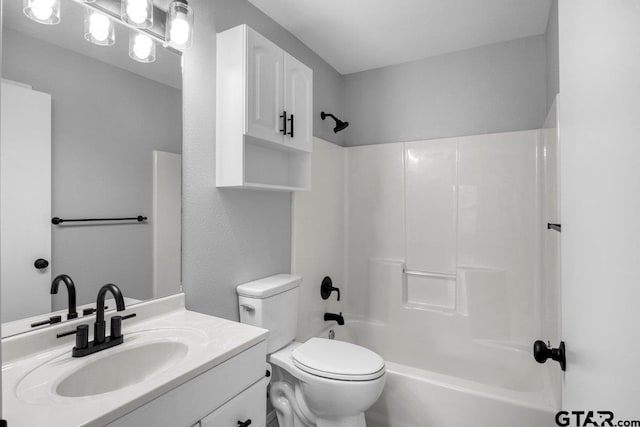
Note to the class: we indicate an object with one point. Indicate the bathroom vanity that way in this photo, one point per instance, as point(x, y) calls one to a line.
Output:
point(175, 367)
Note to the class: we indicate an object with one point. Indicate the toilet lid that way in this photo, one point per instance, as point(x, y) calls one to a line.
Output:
point(338, 360)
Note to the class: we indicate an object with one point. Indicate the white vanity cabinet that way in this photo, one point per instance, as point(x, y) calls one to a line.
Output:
point(224, 396)
point(264, 126)
point(248, 409)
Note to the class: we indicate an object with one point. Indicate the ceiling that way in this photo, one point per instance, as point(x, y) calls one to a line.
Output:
point(358, 35)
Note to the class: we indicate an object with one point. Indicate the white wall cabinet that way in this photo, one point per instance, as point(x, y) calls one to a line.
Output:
point(264, 126)
point(265, 98)
point(298, 103)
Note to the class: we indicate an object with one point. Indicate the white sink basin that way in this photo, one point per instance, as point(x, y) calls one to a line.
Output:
point(122, 369)
point(144, 356)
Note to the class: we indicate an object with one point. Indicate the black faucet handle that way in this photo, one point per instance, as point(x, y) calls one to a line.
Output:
point(82, 335)
point(116, 324)
point(50, 321)
point(116, 327)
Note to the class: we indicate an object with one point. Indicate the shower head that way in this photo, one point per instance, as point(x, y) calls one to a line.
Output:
point(340, 125)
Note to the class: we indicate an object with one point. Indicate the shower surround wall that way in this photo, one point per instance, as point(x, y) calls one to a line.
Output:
point(462, 215)
point(457, 219)
point(443, 259)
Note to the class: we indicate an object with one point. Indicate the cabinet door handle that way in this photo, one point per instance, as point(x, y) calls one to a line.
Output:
point(284, 122)
point(292, 127)
point(244, 423)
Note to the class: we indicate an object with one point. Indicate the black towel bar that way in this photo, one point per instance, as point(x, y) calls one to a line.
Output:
point(56, 220)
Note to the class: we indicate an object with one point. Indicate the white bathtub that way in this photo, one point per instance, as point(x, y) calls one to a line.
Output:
point(497, 386)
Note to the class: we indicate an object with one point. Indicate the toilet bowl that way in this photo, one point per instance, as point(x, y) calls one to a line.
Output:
point(320, 382)
point(334, 382)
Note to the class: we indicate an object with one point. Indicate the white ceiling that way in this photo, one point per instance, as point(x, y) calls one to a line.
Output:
point(358, 35)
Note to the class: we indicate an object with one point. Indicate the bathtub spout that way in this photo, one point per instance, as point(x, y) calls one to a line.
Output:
point(332, 316)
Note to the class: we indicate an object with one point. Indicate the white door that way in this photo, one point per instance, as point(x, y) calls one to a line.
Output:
point(298, 103)
point(600, 168)
point(167, 223)
point(25, 201)
point(265, 104)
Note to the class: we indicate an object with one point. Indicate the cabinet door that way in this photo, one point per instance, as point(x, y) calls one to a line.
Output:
point(298, 96)
point(264, 88)
point(248, 408)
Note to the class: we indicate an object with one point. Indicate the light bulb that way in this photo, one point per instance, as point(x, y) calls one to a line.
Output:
point(137, 11)
point(179, 25)
point(142, 46)
point(99, 26)
point(42, 9)
point(179, 31)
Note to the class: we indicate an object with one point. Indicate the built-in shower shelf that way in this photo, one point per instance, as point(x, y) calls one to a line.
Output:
point(271, 187)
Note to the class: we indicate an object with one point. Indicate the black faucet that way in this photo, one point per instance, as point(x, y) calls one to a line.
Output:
point(83, 347)
point(99, 326)
point(71, 292)
point(332, 316)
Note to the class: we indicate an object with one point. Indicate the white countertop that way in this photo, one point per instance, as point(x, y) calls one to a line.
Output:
point(218, 341)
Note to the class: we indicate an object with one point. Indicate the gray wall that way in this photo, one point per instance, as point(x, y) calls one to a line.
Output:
point(233, 236)
point(106, 122)
point(553, 60)
point(495, 88)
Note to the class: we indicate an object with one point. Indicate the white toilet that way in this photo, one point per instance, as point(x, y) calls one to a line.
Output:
point(321, 382)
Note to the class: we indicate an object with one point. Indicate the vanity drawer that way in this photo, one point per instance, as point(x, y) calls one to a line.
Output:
point(193, 400)
point(248, 405)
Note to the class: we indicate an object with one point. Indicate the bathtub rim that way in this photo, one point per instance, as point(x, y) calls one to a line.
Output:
point(542, 399)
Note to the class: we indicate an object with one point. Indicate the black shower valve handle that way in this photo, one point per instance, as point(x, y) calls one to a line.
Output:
point(326, 288)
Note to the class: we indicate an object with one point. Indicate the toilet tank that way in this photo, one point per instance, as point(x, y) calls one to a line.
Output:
point(271, 303)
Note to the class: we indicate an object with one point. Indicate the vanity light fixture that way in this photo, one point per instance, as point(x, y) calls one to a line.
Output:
point(98, 28)
point(179, 25)
point(137, 13)
point(142, 48)
point(42, 11)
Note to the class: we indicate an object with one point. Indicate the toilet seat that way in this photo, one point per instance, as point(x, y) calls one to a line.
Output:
point(338, 360)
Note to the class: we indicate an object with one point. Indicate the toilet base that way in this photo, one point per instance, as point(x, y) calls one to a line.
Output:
point(292, 411)
point(353, 421)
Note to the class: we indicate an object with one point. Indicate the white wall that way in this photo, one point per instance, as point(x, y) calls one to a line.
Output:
point(495, 88)
point(318, 234)
point(600, 167)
